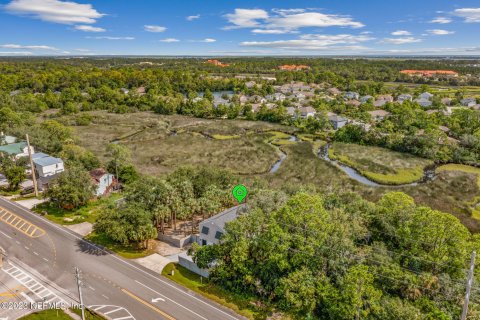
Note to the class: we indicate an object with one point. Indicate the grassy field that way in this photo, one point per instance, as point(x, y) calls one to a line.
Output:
point(245, 147)
point(86, 213)
point(47, 315)
point(241, 305)
point(156, 151)
point(380, 165)
point(128, 252)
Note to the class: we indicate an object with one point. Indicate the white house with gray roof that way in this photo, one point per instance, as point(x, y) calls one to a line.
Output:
point(213, 228)
point(46, 165)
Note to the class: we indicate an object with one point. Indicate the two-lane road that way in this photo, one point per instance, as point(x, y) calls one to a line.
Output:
point(114, 286)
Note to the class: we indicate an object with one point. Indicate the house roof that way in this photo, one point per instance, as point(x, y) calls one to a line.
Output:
point(47, 161)
point(379, 113)
point(337, 118)
point(13, 148)
point(39, 155)
point(224, 217)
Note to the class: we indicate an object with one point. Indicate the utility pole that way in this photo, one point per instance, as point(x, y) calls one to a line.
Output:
point(3, 256)
point(469, 286)
point(79, 285)
point(34, 177)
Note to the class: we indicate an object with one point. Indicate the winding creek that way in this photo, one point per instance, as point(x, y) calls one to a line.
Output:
point(428, 174)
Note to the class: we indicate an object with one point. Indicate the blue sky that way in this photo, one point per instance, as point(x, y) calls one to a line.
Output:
point(221, 27)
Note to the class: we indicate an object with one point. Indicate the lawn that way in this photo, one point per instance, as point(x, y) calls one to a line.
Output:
point(461, 168)
point(89, 315)
point(242, 305)
point(87, 213)
point(47, 315)
point(129, 252)
point(380, 165)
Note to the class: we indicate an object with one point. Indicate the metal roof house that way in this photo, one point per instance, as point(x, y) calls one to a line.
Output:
point(213, 228)
point(46, 165)
point(16, 150)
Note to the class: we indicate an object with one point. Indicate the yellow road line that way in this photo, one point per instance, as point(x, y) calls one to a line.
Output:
point(16, 223)
point(148, 304)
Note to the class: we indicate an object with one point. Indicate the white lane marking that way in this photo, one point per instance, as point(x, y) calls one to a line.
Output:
point(70, 233)
point(18, 242)
point(23, 294)
point(26, 247)
point(6, 235)
point(91, 288)
point(26, 280)
point(45, 259)
point(105, 296)
point(157, 299)
point(124, 318)
point(112, 311)
point(35, 253)
point(178, 304)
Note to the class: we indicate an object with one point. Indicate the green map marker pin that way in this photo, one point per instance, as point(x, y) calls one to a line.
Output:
point(239, 192)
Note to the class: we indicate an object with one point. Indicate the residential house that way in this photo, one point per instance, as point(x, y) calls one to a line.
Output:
point(300, 95)
point(242, 99)
point(5, 139)
point(353, 103)
point(426, 96)
point(424, 102)
point(291, 111)
point(278, 96)
point(258, 99)
point(124, 90)
point(379, 103)
point(404, 97)
point(306, 112)
point(379, 115)
point(468, 102)
point(219, 101)
point(250, 84)
point(385, 97)
point(17, 150)
point(104, 182)
point(213, 228)
point(446, 101)
point(337, 121)
point(47, 166)
point(366, 98)
point(334, 91)
point(351, 95)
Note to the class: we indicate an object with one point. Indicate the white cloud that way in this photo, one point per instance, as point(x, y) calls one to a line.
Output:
point(111, 38)
point(65, 12)
point(440, 32)
point(288, 20)
point(401, 40)
point(191, 18)
point(30, 47)
point(312, 42)
point(151, 28)
point(401, 33)
point(208, 40)
point(169, 40)
point(441, 20)
point(272, 31)
point(15, 53)
point(469, 14)
point(89, 28)
point(245, 18)
point(311, 19)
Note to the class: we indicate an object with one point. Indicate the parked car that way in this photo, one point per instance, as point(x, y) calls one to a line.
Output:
point(27, 190)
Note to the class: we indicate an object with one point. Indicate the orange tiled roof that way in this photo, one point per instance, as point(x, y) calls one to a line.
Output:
point(217, 63)
point(293, 67)
point(429, 73)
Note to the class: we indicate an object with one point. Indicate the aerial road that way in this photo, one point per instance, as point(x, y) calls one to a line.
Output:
point(42, 256)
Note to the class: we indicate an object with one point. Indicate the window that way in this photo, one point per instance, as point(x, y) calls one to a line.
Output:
point(205, 230)
point(204, 242)
point(218, 235)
